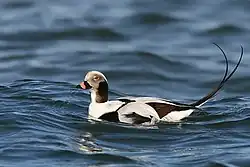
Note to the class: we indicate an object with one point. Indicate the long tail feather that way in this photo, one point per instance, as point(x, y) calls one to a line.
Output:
point(223, 81)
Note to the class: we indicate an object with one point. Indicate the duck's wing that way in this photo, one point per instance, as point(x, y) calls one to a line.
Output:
point(157, 108)
point(126, 111)
point(137, 113)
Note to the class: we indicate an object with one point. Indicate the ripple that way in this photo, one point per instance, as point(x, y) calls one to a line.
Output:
point(151, 19)
point(242, 162)
point(224, 29)
point(18, 4)
point(103, 158)
point(152, 59)
point(79, 33)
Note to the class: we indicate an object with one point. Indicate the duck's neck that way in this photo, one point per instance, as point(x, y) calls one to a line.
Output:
point(100, 95)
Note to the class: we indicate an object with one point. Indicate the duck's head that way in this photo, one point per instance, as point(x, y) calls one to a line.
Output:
point(98, 84)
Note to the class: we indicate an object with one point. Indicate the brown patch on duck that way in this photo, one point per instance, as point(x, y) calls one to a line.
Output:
point(102, 92)
point(164, 109)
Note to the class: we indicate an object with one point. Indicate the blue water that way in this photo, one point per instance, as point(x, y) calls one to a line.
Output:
point(144, 47)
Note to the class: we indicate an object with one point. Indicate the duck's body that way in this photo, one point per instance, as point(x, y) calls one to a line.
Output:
point(140, 110)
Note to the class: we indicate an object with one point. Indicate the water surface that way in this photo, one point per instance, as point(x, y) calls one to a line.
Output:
point(144, 47)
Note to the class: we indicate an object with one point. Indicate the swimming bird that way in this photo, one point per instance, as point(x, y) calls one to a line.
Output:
point(142, 110)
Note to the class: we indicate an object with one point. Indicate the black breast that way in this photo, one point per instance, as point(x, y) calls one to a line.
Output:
point(137, 119)
point(111, 117)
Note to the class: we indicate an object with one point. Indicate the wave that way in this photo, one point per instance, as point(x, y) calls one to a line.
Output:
point(223, 30)
point(76, 33)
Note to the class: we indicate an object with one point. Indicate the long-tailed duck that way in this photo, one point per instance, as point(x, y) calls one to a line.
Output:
point(141, 110)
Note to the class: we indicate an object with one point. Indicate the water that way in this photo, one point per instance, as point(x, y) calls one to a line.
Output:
point(144, 47)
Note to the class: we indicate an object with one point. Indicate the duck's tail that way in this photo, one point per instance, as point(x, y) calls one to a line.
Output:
point(226, 77)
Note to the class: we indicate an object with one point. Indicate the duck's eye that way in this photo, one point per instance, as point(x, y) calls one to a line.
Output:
point(96, 78)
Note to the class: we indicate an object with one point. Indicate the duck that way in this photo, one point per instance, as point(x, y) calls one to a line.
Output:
point(142, 110)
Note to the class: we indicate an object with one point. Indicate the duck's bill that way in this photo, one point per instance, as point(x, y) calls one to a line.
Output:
point(84, 85)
